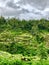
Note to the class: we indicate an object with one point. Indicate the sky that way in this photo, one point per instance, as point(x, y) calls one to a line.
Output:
point(25, 9)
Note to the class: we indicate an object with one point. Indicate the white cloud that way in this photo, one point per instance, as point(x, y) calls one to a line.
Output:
point(25, 9)
point(15, 1)
point(30, 16)
point(27, 6)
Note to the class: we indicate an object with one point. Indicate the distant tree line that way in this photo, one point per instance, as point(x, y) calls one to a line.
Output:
point(29, 25)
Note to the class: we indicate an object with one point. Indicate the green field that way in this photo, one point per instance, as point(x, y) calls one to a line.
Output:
point(24, 42)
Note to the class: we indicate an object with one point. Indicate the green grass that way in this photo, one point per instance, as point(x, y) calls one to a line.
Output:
point(18, 59)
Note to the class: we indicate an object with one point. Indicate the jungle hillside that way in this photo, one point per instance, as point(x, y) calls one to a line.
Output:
point(24, 42)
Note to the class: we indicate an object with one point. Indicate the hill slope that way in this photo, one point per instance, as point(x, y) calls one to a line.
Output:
point(27, 38)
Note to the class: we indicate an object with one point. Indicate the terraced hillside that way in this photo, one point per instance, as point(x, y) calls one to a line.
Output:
point(24, 42)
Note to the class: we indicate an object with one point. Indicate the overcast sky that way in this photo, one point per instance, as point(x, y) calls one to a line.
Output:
point(25, 9)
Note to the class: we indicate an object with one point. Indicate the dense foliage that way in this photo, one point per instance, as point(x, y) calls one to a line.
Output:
point(27, 38)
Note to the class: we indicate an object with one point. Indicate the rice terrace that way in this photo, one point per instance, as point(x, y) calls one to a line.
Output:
point(24, 42)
